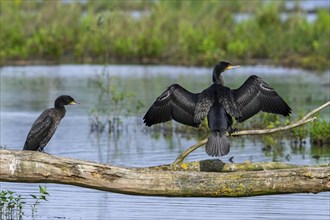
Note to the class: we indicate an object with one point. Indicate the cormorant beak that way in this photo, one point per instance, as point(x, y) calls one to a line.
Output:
point(73, 103)
point(231, 67)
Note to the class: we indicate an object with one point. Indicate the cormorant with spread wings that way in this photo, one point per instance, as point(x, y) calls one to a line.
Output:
point(219, 103)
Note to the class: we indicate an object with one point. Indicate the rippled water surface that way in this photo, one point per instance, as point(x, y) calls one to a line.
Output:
point(27, 91)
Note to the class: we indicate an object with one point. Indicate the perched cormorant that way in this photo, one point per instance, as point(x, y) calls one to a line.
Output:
point(46, 124)
point(219, 103)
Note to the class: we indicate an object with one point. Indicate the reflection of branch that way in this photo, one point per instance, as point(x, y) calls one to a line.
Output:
point(306, 119)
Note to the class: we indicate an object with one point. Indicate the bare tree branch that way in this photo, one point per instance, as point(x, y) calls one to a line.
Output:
point(306, 119)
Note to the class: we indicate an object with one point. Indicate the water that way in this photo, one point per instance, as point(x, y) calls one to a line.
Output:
point(26, 91)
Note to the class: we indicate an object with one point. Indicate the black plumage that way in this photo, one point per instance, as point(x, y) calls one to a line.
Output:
point(219, 103)
point(46, 124)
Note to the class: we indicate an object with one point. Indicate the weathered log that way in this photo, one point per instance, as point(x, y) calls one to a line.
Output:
point(166, 180)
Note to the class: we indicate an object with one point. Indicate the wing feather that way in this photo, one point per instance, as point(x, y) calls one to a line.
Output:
point(174, 103)
point(229, 103)
point(203, 105)
point(216, 93)
point(39, 132)
point(256, 95)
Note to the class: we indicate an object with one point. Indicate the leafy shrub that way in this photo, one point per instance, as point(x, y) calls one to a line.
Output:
point(320, 132)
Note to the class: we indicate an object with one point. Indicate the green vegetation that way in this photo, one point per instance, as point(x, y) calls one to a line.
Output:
point(172, 32)
point(320, 132)
point(299, 134)
point(112, 102)
point(12, 204)
point(42, 196)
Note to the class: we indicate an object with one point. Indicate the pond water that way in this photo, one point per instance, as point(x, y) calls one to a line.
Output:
point(27, 91)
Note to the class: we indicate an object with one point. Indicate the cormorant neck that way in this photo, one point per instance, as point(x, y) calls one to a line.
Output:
point(217, 78)
point(60, 109)
point(59, 105)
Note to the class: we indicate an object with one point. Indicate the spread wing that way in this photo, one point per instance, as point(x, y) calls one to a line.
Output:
point(203, 105)
point(39, 134)
point(174, 103)
point(230, 104)
point(255, 95)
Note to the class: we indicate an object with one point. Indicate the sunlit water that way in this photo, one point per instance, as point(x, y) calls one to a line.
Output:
point(26, 91)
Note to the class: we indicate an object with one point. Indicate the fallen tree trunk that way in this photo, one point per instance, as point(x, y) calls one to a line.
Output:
point(186, 179)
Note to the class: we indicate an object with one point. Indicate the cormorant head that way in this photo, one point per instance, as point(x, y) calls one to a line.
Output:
point(63, 100)
point(220, 68)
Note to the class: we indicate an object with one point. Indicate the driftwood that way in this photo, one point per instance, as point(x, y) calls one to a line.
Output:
point(306, 119)
point(205, 178)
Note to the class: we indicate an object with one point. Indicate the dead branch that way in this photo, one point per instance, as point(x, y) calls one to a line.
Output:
point(306, 119)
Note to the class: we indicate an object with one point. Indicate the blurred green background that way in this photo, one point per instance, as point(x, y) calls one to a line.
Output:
point(164, 32)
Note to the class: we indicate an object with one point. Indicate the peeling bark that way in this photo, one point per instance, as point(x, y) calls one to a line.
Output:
point(211, 178)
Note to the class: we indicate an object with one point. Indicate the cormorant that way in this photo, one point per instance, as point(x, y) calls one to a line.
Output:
point(219, 103)
point(46, 124)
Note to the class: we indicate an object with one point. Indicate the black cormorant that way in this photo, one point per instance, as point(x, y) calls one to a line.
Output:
point(46, 124)
point(219, 103)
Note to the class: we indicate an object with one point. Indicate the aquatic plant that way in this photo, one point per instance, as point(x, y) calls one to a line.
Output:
point(37, 198)
point(299, 134)
point(111, 103)
point(12, 204)
point(320, 132)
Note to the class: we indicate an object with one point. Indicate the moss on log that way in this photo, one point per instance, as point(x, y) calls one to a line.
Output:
point(186, 179)
point(216, 165)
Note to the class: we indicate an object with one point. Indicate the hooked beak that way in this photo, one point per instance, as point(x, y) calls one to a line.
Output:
point(231, 67)
point(73, 103)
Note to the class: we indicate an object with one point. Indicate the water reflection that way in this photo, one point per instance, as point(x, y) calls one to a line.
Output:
point(310, 17)
point(26, 91)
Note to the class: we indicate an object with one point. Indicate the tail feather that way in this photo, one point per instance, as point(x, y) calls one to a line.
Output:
point(217, 145)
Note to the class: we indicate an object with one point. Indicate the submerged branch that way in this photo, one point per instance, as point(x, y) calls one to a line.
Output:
point(306, 119)
point(211, 178)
